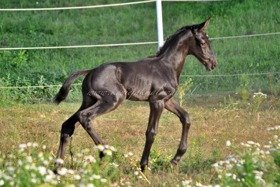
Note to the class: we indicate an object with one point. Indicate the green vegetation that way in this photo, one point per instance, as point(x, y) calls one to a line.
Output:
point(230, 144)
point(133, 24)
point(248, 122)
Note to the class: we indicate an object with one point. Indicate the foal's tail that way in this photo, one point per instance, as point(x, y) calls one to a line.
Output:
point(64, 90)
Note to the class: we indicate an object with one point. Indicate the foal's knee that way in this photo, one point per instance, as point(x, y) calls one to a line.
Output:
point(83, 117)
point(185, 118)
point(150, 135)
point(67, 130)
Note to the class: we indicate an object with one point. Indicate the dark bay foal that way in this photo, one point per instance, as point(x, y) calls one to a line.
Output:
point(153, 79)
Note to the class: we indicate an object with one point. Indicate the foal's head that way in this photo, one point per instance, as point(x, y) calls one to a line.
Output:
point(200, 46)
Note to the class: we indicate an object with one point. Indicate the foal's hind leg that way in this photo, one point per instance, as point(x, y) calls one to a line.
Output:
point(67, 131)
point(68, 128)
point(175, 108)
point(100, 107)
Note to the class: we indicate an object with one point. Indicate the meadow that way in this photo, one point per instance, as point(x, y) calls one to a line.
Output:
point(235, 110)
point(231, 143)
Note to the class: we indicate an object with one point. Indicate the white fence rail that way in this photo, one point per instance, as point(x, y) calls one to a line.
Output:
point(160, 36)
point(127, 44)
point(158, 12)
point(209, 75)
point(95, 6)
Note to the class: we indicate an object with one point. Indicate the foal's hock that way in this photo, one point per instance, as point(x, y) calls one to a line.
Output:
point(153, 79)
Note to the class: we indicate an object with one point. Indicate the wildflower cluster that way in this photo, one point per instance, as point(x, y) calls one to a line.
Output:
point(106, 149)
point(27, 167)
point(259, 95)
point(258, 99)
point(31, 165)
point(256, 165)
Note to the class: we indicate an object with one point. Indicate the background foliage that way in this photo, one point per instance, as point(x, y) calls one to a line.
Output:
point(137, 23)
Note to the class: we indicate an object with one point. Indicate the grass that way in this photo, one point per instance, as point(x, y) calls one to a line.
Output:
point(126, 24)
point(240, 120)
point(212, 126)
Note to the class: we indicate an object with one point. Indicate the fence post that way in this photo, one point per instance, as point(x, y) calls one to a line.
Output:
point(159, 23)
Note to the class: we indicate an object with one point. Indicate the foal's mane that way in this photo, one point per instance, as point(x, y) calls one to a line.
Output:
point(171, 40)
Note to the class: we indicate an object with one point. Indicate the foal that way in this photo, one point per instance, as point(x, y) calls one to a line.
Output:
point(153, 79)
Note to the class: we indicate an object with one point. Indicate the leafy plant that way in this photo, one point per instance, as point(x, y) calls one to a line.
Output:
point(244, 88)
point(183, 89)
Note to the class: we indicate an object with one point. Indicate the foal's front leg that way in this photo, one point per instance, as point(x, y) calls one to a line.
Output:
point(156, 108)
point(176, 109)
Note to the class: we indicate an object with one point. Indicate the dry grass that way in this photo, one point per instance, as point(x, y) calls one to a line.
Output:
point(125, 127)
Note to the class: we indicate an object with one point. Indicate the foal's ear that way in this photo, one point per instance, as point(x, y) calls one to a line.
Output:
point(203, 26)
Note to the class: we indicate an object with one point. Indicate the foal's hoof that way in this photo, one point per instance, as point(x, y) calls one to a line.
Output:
point(101, 154)
point(142, 168)
point(174, 162)
point(55, 171)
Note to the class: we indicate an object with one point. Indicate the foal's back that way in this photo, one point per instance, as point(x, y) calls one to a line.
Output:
point(134, 80)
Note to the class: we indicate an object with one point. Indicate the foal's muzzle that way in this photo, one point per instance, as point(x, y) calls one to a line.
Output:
point(211, 64)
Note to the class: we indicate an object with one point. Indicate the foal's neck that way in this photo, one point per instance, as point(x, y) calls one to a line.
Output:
point(175, 58)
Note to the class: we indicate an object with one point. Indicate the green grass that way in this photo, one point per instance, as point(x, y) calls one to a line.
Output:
point(213, 124)
point(133, 24)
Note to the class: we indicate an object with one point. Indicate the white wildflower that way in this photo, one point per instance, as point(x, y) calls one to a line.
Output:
point(228, 143)
point(96, 176)
point(46, 163)
point(70, 171)
point(42, 170)
point(27, 167)
point(72, 185)
point(29, 159)
point(108, 152)
point(114, 165)
point(90, 159)
point(103, 180)
point(113, 149)
point(49, 178)
point(186, 182)
point(59, 161)
point(77, 177)
point(34, 180)
point(274, 128)
point(22, 146)
point(130, 154)
point(136, 173)
point(62, 171)
point(216, 165)
point(79, 155)
point(34, 144)
point(29, 144)
point(228, 174)
point(250, 142)
point(260, 94)
point(2, 182)
point(100, 147)
point(11, 169)
point(20, 163)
